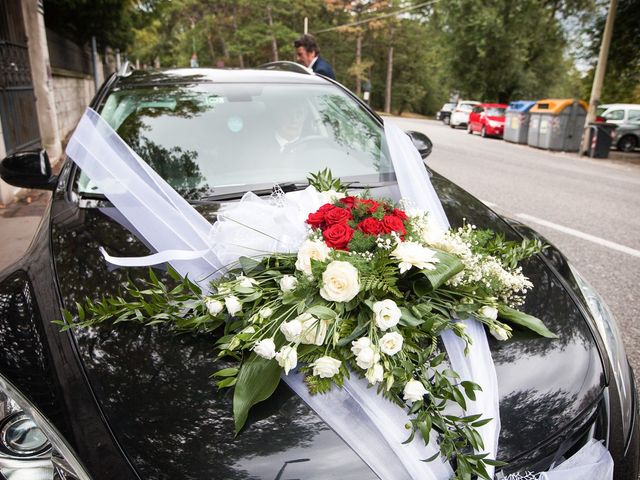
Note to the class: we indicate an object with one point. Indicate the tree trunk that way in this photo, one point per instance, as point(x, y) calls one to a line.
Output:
point(212, 52)
point(235, 32)
point(274, 42)
point(387, 89)
point(358, 61)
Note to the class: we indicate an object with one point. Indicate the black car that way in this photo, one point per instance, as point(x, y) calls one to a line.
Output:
point(139, 403)
point(444, 114)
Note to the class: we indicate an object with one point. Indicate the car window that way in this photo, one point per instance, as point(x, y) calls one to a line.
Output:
point(200, 138)
point(634, 116)
point(614, 115)
point(495, 112)
point(600, 111)
point(465, 107)
point(448, 107)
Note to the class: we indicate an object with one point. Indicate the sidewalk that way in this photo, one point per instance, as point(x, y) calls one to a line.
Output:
point(18, 223)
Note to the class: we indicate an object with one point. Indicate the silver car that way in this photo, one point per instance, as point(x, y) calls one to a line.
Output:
point(627, 117)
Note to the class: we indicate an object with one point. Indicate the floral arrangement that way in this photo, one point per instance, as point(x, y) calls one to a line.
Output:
point(367, 294)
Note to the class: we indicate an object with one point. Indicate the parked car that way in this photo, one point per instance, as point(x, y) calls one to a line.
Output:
point(138, 403)
point(487, 119)
point(444, 114)
point(626, 137)
point(460, 114)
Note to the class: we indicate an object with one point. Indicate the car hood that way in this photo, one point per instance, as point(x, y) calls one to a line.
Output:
point(156, 393)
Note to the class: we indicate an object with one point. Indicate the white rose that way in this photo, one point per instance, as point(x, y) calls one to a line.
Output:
point(314, 330)
point(288, 283)
point(489, 312)
point(233, 304)
point(386, 314)
point(375, 374)
point(391, 343)
point(501, 333)
point(265, 312)
point(287, 358)
point(414, 391)
point(246, 282)
point(367, 357)
point(331, 195)
point(340, 282)
point(358, 345)
point(265, 348)
point(326, 367)
point(412, 254)
point(309, 250)
point(291, 330)
point(214, 306)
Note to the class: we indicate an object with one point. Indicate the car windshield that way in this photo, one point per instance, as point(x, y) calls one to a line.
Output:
point(207, 138)
point(465, 107)
point(495, 112)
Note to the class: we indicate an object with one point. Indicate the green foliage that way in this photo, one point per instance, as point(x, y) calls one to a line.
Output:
point(323, 181)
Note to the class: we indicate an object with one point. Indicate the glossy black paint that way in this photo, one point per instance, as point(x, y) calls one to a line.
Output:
point(30, 169)
point(138, 403)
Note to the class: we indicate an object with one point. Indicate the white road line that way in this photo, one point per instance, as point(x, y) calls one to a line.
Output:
point(579, 234)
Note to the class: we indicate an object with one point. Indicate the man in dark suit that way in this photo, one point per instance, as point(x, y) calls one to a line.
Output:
point(309, 55)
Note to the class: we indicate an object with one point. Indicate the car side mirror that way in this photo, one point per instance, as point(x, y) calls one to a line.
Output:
point(30, 169)
point(422, 143)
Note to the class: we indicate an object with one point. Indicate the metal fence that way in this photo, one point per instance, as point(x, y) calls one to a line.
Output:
point(67, 55)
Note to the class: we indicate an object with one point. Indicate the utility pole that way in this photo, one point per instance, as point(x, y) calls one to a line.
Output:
point(598, 78)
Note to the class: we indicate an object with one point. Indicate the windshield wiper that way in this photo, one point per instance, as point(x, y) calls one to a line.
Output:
point(260, 192)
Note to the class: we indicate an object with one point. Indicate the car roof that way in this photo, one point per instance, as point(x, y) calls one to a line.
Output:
point(619, 105)
point(215, 75)
point(472, 102)
point(498, 105)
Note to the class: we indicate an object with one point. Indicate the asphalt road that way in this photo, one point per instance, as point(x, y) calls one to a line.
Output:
point(588, 208)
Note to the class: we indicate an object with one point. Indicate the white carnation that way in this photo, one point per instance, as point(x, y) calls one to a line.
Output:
point(265, 348)
point(233, 304)
point(489, 312)
point(358, 345)
point(288, 283)
point(340, 282)
point(386, 314)
point(291, 330)
point(412, 254)
point(367, 357)
point(326, 367)
point(414, 391)
point(375, 374)
point(311, 249)
point(287, 358)
point(214, 306)
point(391, 343)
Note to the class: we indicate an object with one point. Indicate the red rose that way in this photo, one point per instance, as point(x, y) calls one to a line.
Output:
point(372, 205)
point(337, 215)
point(317, 219)
point(338, 236)
point(391, 223)
point(348, 201)
point(370, 226)
point(400, 214)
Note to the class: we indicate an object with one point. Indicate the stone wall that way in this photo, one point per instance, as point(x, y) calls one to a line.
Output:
point(72, 93)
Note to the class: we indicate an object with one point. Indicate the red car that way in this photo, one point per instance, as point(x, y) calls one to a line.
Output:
point(488, 119)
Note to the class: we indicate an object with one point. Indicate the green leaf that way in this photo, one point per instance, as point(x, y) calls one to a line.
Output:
point(257, 380)
point(447, 266)
point(226, 372)
point(525, 320)
point(248, 265)
point(407, 319)
point(322, 312)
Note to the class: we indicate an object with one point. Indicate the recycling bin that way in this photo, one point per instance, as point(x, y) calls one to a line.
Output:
point(600, 139)
point(516, 126)
point(557, 124)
